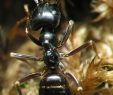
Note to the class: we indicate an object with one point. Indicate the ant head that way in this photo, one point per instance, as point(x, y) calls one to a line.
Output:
point(45, 15)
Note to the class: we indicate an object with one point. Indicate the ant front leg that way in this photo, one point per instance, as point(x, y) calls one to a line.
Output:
point(19, 82)
point(35, 40)
point(67, 33)
point(87, 44)
point(74, 79)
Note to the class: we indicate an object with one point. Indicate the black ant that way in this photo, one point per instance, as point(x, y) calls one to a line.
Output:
point(53, 80)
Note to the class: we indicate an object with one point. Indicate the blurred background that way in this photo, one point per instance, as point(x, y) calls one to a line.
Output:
point(93, 21)
point(12, 38)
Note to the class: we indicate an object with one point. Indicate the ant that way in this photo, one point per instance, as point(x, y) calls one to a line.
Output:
point(54, 79)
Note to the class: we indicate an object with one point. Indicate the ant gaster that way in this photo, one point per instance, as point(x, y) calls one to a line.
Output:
point(53, 80)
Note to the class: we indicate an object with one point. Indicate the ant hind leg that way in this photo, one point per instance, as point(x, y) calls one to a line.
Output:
point(74, 79)
point(19, 82)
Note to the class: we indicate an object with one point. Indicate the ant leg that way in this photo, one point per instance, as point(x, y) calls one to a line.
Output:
point(24, 58)
point(87, 44)
point(67, 33)
point(19, 82)
point(62, 66)
point(35, 40)
point(72, 77)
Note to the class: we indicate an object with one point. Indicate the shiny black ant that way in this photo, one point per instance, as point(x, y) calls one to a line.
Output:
point(53, 80)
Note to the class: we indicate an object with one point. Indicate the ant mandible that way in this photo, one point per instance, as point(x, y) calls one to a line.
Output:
point(53, 80)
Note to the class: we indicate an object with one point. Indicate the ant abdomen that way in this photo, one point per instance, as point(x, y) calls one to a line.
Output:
point(54, 84)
